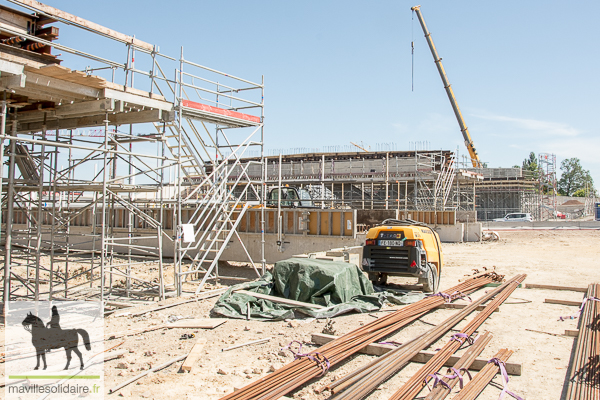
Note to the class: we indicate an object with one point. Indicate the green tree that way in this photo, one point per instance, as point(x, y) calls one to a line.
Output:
point(530, 164)
point(574, 178)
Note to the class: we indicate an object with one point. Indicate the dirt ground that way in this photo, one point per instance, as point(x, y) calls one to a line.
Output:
point(551, 257)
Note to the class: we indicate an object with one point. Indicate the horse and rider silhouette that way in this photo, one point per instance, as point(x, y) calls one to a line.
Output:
point(51, 336)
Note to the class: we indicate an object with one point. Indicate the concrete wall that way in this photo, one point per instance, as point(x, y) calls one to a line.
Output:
point(472, 232)
point(293, 244)
point(451, 233)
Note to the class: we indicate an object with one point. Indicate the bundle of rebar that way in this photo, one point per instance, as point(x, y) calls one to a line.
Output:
point(584, 368)
point(360, 383)
point(416, 383)
point(442, 390)
point(484, 377)
point(308, 366)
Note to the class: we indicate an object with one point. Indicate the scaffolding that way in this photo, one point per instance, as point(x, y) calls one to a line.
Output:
point(401, 180)
point(94, 213)
point(547, 187)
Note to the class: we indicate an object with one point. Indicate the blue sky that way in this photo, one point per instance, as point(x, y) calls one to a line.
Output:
point(524, 73)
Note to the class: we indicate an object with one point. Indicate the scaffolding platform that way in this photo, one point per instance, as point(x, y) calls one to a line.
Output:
point(217, 115)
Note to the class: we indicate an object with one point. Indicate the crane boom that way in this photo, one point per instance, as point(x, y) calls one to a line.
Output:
point(438, 62)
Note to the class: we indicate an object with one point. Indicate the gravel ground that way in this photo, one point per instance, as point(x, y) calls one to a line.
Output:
point(548, 257)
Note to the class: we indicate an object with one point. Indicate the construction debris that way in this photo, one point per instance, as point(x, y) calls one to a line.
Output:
point(193, 355)
point(135, 378)
point(247, 344)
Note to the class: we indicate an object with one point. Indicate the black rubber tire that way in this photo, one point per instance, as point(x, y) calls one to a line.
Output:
point(383, 279)
point(378, 278)
point(432, 282)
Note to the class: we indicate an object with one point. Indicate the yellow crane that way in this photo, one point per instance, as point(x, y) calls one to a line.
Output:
point(438, 62)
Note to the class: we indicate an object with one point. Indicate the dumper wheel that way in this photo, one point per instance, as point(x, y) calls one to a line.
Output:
point(431, 283)
point(377, 278)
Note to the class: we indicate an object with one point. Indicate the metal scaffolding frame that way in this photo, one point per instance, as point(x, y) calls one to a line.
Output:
point(403, 180)
point(547, 187)
point(69, 232)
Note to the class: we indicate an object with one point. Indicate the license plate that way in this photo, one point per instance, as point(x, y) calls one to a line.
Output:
point(396, 243)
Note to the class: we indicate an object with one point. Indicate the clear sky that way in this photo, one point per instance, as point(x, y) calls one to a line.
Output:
point(525, 73)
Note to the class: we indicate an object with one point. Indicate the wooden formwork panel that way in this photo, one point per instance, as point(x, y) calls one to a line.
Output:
point(288, 222)
point(430, 217)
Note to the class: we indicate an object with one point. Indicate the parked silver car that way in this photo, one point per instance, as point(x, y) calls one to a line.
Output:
point(515, 217)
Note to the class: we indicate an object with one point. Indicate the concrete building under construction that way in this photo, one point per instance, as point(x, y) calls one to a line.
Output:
point(129, 179)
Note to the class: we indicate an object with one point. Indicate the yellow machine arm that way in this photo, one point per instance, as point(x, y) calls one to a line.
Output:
point(438, 62)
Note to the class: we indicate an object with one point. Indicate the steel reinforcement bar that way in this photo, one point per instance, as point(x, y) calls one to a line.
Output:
point(416, 383)
point(584, 368)
point(483, 377)
point(440, 391)
point(317, 362)
point(363, 381)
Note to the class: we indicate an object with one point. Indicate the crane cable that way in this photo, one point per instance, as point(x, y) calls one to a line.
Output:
point(412, 51)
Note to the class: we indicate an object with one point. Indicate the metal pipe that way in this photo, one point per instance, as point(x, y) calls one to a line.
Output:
point(10, 198)
point(71, 146)
point(221, 73)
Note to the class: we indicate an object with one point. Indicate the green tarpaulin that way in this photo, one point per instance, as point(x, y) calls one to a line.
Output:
point(338, 286)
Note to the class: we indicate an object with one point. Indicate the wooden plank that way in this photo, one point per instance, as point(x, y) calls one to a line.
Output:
point(423, 356)
point(563, 302)
point(54, 70)
point(572, 332)
point(6, 56)
point(202, 323)
point(554, 287)
point(98, 120)
point(142, 100)
point(281, 300)
point(59, 14)
point(193, 355)
point(51, 83)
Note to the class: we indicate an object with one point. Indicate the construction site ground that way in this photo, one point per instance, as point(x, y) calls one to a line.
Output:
point(552, 257)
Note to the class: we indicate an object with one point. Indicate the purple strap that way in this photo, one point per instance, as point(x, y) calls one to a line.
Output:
point(437, 378)
point(467, 338)
point(462, 296)
point(318, 358)
point(447, 298)
point(459, 376)
point(504, 374)
point(391, 343)
point(580, 309)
